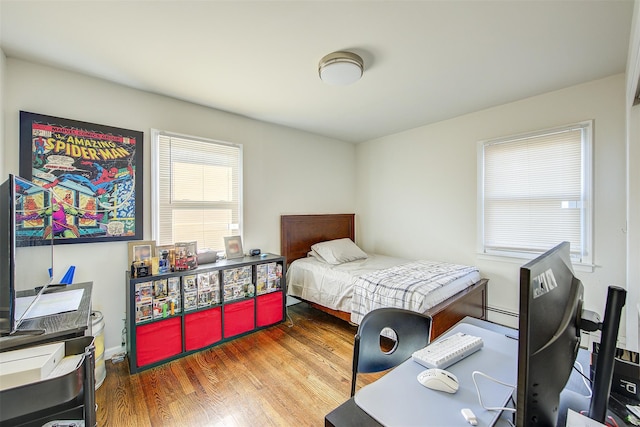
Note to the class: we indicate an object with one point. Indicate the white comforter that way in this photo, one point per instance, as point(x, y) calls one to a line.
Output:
point(333, 286)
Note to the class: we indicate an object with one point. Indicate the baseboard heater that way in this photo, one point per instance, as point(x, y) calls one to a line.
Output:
point(502, 311)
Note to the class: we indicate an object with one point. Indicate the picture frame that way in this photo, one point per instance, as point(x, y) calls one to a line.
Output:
point(233, 247)
point(141, 250)
point(93, 171)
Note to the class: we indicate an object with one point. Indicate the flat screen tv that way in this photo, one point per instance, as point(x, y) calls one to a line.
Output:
point(7, 257)
point(23, 208)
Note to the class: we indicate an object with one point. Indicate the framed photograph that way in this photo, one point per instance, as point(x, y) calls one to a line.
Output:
point(94, 173)
point(141, 250)
point(233, 247)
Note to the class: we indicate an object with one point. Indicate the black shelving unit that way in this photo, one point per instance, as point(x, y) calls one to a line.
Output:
point(174, 314)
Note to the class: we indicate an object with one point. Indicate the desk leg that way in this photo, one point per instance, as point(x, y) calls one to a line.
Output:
point(90, 387)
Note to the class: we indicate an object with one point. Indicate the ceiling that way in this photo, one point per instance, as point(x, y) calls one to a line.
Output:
point(425, 61)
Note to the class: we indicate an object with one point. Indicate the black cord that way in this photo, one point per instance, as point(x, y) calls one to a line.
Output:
point(513, 415)
point(583, 375)
point(611, 395)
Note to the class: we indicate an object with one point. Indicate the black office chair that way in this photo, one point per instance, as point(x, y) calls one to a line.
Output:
point(412, 331)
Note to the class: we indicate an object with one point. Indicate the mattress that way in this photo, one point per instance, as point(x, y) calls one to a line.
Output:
point(332, 286)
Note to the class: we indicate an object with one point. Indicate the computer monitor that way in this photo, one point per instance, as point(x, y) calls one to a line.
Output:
point(21, 205)
point(7, 257)
point(550, 320)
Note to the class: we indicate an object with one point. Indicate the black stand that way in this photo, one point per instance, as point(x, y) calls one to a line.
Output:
point(596, 407)
point(616, 298)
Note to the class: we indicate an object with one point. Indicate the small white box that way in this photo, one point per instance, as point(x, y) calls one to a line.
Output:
point(20, 367)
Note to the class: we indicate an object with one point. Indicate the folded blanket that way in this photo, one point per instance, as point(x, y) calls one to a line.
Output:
point(403, 286)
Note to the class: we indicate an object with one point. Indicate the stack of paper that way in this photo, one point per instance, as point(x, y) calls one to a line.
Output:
point(25, 366)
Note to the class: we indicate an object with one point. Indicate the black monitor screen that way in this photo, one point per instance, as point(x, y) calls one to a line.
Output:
point(7, 257)
point(549, 334)
point(23, 216)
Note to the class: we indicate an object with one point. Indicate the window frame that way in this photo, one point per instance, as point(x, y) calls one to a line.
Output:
point(155, 184)
point(584, 262)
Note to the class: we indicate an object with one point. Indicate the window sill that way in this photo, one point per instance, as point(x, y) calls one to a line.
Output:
point(581, 267)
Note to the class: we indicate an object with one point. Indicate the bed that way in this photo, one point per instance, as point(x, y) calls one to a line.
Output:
point(349, 280)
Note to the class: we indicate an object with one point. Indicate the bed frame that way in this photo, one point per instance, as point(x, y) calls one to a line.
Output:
point(299, 232)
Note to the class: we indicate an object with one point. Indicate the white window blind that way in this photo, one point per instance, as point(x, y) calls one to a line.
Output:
point(198, 191)
point(536, 192)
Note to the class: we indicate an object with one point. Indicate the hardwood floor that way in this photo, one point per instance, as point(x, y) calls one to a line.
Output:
point(281, 376)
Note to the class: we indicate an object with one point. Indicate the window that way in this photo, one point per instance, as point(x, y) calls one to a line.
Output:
point(535, 192)
point(197, 190)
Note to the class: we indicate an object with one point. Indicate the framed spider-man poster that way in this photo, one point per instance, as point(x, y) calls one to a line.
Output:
point(94, 174)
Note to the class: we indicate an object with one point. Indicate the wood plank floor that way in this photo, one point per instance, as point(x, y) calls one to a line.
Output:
point(285, 375)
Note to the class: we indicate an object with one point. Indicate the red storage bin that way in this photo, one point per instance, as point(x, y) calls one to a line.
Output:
point(269, 309)
point(159, 340)
point(239, 318)
point(202, 328)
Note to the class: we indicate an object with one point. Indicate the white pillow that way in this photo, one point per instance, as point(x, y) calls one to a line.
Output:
point(338, 251)
point(313, 254)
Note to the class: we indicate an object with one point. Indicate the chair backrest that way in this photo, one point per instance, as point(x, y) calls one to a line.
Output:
point(412, 331)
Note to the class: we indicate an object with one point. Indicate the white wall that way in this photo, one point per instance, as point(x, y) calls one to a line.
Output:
point(417, 189)
point(285, 171)
point(633, 240)
point(415, 192)
point(633, 189)
point(3, 60)
point(2, 85)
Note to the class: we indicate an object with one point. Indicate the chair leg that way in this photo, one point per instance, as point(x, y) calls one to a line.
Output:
point(353, 384)
point(354, 369)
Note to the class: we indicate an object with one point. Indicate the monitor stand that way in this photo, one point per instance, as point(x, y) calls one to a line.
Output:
point(570, 399)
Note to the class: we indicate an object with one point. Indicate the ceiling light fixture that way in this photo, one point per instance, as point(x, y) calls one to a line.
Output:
point(340, 68)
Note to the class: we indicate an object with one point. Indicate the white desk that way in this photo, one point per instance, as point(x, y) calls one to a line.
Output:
point(399, 399)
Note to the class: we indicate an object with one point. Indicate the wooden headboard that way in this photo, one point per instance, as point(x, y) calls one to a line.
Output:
point(299, 232)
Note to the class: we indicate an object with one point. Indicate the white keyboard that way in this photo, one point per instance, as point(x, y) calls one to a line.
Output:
point(447, 351)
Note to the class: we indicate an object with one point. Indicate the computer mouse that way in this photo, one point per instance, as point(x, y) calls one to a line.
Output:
point(438, 379)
